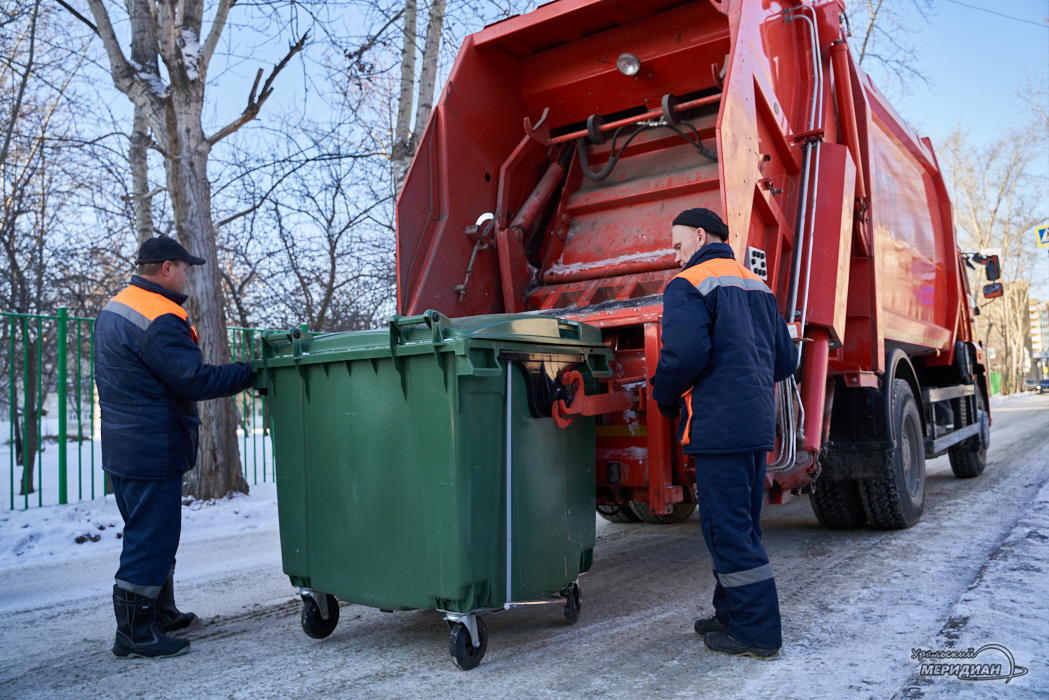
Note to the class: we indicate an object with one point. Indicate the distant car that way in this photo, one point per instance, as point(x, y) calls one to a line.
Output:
point(1043, 387)
point(1029, 385)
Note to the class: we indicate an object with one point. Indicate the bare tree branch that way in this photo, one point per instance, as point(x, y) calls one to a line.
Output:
point(212, 40)
point(170, 156)
point(354, 56)
point(22, 85)
point(79, 16)
point(141, 197)
point(120, 69)
point(255, 103)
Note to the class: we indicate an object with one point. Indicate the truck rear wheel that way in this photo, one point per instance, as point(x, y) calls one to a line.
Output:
point(617, 513)
point(896, 501)
point(969, 458)
point(838, 505)
point(680, 513)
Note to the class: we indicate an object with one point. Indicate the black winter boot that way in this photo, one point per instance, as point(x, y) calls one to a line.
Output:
point(169, 619)
point(706, 625)
point(137, 634)
point(721, 642)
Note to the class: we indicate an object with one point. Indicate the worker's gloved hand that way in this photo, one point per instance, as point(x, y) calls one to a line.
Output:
point(670, 412)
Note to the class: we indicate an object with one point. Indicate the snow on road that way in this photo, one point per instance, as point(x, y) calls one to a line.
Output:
point(857, 606)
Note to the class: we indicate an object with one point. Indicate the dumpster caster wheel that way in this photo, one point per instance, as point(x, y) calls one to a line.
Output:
point(573, 602)
point(465, 655)
point(312, 623)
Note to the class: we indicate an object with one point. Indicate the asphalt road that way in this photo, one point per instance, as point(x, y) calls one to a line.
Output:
point(974, 571)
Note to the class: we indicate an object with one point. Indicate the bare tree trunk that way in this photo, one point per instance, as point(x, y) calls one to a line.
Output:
point(31, 413)
point(429, 71)
point(406, 133)
point(218, 470)
point(141, 197)
point(402, 151)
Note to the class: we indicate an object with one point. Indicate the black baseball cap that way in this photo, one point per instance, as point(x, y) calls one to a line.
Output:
point(164, 248)
point(704, 219)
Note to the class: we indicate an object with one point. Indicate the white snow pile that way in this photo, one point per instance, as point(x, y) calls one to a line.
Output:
point(54, 533)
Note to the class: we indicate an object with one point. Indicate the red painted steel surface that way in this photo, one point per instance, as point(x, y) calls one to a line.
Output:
point(504, 140)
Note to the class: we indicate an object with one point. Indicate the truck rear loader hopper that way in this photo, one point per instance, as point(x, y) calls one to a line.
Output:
point(566, 141)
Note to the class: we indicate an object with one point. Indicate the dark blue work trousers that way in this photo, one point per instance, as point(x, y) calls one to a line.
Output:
point(152, 512)
point(729, 489)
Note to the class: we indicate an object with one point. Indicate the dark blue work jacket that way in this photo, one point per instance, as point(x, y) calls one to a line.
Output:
point(725, 346)
point(150, 374)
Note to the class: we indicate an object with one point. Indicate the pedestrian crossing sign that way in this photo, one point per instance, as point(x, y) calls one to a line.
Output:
point(1043, 235)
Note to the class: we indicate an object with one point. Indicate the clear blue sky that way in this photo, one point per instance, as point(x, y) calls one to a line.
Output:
point(977, 60)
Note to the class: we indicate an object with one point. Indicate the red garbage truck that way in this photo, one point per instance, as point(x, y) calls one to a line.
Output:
point(565, 142)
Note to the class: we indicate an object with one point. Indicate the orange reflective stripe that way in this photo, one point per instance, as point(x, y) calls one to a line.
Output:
point(193, 334)
point(718, 267)
point(149, 304)
point(686, 437)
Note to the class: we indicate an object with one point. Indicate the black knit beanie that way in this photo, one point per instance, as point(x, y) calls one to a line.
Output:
point(704, 219)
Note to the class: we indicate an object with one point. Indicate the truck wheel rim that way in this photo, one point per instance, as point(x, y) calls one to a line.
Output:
point(908, 450)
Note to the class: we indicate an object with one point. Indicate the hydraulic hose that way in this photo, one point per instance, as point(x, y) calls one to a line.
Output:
point(614, 156)
point(612, 159)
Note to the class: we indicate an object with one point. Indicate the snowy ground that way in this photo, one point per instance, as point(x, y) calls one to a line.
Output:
point(974, 573)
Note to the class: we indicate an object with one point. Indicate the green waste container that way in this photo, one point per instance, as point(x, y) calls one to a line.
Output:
point(418, 467)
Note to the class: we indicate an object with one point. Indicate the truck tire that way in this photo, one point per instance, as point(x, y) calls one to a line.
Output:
point(896, 501)
point(680, 513)
point(967, 462)
point(838, 505)
point(617, 513)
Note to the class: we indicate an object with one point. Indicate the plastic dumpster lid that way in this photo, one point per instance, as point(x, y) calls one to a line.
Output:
point(523, 328)
point(435, 329)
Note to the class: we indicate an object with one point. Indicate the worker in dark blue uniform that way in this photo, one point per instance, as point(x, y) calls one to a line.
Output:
point(725, 346)
point(150, 374)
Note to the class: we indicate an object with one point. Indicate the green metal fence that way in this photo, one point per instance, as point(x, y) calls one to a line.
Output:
point(46, 371)
point(244, 344)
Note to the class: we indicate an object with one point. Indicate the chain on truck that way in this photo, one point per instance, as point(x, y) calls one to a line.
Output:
point(565, 142)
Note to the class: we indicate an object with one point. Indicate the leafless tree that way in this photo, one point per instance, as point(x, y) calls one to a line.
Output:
point(408, 65)
point(883, 39)
point(326, 190)
point(308, 242)
point(171, 50)
point(38, 183)
point(995, 208)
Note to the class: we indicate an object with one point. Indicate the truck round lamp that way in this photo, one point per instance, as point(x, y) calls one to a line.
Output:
point(628, 64)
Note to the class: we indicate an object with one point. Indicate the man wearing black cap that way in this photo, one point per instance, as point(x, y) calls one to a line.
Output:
point(150, 374)
point(724, 348)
